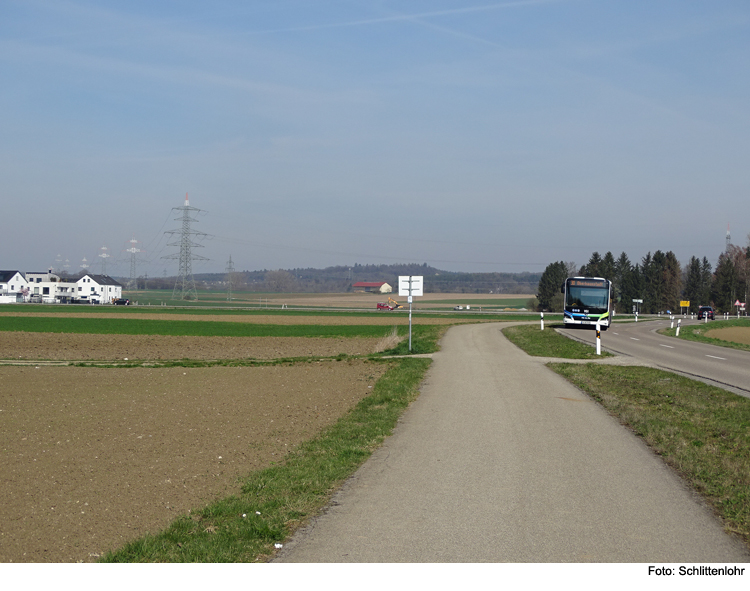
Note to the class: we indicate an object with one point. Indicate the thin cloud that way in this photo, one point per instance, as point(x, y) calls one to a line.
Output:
point(408, 17)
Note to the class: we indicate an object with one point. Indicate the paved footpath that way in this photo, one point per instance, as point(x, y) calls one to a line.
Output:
point(501, 460)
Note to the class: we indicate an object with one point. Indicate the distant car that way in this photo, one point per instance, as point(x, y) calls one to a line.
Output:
point(706, 311)
point(382, 306)
point(122, 302)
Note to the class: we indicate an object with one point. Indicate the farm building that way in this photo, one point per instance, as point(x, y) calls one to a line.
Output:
point(372, 287)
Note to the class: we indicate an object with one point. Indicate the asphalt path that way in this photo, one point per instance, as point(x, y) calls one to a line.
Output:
point(501, 460)
point(720, 366)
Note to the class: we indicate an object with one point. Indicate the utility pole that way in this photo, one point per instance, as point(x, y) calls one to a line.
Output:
point(184, 287)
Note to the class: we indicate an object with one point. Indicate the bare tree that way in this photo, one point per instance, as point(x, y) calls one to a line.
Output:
point(280, 281)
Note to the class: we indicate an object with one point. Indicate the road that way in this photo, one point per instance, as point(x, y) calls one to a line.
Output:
point(501, 460)
point(720, 366)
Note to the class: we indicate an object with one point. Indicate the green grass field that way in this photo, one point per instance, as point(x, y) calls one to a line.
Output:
point(549, 343)
point(138, 326)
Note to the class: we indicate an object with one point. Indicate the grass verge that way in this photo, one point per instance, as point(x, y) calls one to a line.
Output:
point(424, 339)
point(701, 431)
point(549, 343)
point(273, 502)
point(698, 332)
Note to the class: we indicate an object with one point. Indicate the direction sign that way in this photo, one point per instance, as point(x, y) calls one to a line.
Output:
point(410, 285)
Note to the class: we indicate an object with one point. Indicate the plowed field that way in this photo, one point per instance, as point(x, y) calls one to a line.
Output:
point(94, 457)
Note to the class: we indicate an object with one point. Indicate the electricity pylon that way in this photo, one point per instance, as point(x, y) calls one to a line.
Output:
point(184, 287)
point(133, 250)
point(230, 278)
point(104, 256)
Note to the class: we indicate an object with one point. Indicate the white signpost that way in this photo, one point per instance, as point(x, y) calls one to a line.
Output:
point(410, 285)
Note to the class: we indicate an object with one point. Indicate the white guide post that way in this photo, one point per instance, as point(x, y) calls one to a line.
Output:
point(542, 320)
point(598, 338)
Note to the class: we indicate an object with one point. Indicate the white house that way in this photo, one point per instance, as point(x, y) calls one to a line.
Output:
point(50, 288)
point(100, 289)
point(13, 287)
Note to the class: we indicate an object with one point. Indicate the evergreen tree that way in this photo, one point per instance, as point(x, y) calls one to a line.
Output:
point(706, 281)
point(724, 286)
point(694, 284)
point(548, 293)
point(624, 289)
point(607, 267)
point(593, 268)
point(672, 278)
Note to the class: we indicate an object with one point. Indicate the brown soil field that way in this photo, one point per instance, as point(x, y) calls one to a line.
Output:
point(365, 301)
point(93, 458)
point(735, 334)
point(18, 346)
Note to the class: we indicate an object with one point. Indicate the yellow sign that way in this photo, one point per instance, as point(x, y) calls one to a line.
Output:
point(684, 304)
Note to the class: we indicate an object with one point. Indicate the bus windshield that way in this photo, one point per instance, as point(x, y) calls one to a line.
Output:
point(594, 299)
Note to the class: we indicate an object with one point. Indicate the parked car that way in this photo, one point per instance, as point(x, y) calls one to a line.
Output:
point(122, 302)
point(383, 306)
point(706, 311)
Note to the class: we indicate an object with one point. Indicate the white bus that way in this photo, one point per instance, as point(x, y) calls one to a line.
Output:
point(588, 300)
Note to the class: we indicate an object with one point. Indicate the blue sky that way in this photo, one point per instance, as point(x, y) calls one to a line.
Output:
point(495, 136)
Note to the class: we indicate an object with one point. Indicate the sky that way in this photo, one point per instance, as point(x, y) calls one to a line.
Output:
point(471, 136)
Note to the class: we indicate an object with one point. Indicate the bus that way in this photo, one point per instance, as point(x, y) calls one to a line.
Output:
point(588, 300)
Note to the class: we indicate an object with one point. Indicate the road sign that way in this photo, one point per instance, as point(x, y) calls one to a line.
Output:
point(410, 285)
point(685, 304)
point(637, 301)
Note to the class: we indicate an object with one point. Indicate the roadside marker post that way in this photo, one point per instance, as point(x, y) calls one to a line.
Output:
point(679, 320)
point(410, 285)
point(598, 338)
point(542, 320)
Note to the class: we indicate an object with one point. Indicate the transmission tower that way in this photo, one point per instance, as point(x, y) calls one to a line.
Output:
point(230, 278)
point(184, 287)
point(729, 241)
point(133, 250)
point(104, 256)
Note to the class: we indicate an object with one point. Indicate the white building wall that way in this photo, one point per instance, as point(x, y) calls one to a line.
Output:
point(14, 285)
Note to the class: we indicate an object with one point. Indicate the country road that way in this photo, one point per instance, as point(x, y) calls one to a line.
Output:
point(501, 460)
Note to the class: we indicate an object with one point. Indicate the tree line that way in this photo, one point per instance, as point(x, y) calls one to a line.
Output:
point(658, 279)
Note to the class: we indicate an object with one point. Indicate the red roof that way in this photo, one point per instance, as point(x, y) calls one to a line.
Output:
point(368, 284)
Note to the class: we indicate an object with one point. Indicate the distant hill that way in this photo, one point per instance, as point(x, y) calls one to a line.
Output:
point(340, 279)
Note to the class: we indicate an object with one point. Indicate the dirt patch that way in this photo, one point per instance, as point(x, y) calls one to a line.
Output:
point(86, 347)
point(93, 458)
point(735, 334)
